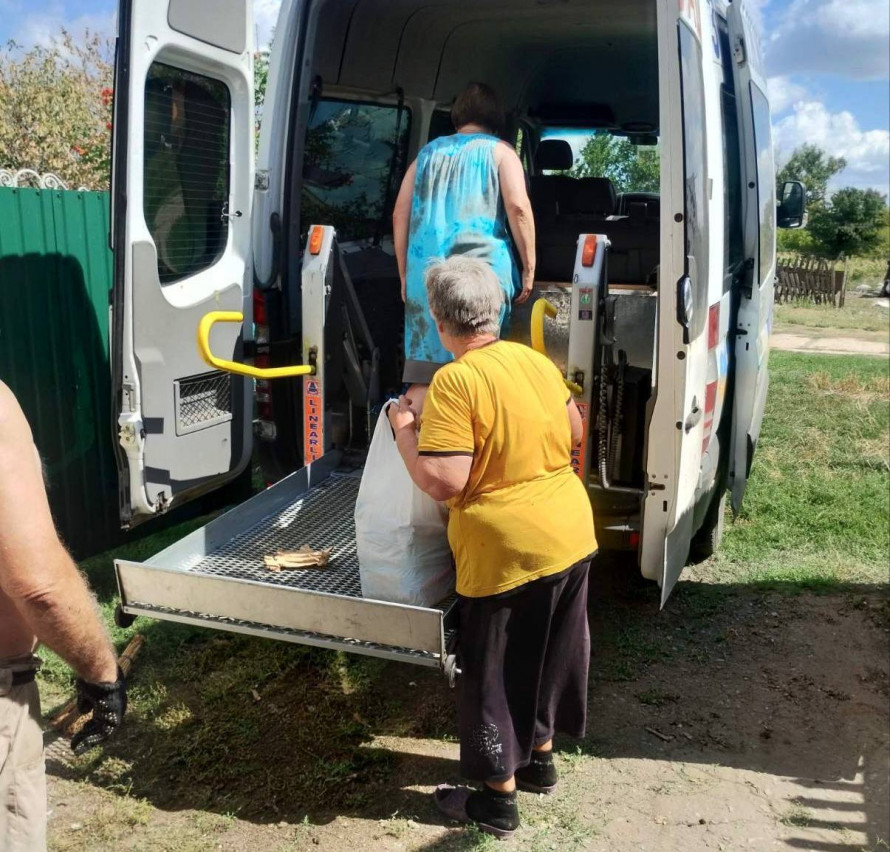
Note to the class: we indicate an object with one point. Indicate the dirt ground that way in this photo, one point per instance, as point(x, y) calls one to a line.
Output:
point(741, 717)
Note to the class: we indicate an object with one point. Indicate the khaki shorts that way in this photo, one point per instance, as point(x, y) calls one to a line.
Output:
point(22, 773)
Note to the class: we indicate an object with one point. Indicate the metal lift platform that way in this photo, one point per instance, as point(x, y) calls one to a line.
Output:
point(215, 577)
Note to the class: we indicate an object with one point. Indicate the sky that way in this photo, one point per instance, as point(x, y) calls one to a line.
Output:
point(828, 62)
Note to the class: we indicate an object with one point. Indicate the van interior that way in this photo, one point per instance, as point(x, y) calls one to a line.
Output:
point(572, 74)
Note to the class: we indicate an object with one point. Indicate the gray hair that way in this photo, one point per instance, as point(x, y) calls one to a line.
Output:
point(465, 296)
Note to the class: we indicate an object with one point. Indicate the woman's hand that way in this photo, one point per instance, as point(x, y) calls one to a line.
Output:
point(401, 414)
point(404, 290)
point(528, 284)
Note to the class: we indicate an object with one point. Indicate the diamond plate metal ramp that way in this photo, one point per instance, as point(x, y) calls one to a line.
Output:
point(215, 577)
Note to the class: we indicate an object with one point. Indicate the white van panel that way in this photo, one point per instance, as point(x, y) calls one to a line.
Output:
point(184, 428)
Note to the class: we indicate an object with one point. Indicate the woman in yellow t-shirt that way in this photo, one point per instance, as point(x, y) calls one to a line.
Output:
point(495, 441)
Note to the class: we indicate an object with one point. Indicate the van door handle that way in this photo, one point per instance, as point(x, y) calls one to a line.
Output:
point(208, 321)
point(540, 309)
point(693, 418)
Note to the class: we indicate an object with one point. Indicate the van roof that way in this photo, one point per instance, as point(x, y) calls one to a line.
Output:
point(590, 62)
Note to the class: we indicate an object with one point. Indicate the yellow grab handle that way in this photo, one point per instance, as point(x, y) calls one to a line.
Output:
point(541, 308)
point(209, 320)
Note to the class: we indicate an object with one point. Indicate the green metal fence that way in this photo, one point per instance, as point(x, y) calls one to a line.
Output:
point(55, 277)
point(55, 281)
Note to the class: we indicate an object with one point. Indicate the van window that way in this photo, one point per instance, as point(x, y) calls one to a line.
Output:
point(766, 181)
point(695, 175)
point(733, 243)
point(598, 153)
point(440, 125)
point(355, 157)
point(186, 169)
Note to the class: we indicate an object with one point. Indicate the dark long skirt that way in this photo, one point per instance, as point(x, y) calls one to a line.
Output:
point(524, 658)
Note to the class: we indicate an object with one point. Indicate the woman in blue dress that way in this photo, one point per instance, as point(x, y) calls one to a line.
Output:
point(464, 194)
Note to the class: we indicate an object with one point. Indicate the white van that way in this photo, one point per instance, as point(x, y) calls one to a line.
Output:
point(259, 307)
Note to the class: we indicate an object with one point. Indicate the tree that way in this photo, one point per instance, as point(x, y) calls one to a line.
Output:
point(814, 168)
point(631, 168)
point(55, 109)
point(260, 79)
point(850, 223)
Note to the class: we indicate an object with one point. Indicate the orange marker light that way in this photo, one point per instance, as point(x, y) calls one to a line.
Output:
point(589, 252)
point(315, 239)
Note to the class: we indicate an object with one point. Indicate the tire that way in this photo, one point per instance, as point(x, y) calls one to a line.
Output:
point(706, 542)
point(123, 619)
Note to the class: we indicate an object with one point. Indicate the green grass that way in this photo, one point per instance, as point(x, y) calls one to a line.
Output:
point(858, 314)
point(866, 270)
point(56, 677)
point(817, 507)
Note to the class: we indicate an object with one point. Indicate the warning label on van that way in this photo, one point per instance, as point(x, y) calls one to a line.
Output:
point(579, 453)
point(313, 426)
point(585, 303)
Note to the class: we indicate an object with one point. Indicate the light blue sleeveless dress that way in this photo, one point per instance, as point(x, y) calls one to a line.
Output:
point(457, 209)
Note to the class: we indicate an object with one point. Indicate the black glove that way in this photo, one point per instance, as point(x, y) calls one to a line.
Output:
point(108, 701)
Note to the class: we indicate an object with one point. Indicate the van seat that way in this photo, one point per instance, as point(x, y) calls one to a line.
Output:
point(573, 206)
point(636, 242)
point(591, 198)
point(549, 192)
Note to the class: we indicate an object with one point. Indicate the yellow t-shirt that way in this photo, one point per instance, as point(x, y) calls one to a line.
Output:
point(523, 514)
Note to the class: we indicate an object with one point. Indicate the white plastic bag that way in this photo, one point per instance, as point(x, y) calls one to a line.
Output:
point(401, 533)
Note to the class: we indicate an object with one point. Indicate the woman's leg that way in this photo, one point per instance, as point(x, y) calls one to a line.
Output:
point(562, 698)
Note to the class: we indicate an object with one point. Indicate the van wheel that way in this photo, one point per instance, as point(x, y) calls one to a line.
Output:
point(123, 619)
point(706, 542)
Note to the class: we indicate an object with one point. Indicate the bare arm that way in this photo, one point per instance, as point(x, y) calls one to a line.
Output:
point(577, 423)
point(36, 572)
point(442, 477)
point(519, 214)
point(401, 219)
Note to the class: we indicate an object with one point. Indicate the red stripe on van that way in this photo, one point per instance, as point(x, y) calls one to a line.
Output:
point(710, 397)
point(713, 325)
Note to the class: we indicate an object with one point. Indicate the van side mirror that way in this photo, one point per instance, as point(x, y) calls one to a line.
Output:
point(792, 212)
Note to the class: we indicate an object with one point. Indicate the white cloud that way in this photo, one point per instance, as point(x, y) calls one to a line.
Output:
point(43, 27)
point(266, 16)
point(846, 37)
point(784, 93)
point(867, 152)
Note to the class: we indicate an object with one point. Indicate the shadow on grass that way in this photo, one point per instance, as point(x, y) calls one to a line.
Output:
point(759, 677)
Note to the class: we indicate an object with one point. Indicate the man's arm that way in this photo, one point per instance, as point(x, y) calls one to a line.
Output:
point(401, 219)
point(519, 214)
point(36, 572)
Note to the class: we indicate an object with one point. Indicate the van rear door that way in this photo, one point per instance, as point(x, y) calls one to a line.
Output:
point(181, 196)
point(675, 430)
point(755, 299)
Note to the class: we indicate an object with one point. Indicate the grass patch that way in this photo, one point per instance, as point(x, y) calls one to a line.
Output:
point(796, 816)
point(858, 314)
point(816, 509)
point(56, 677)
point(656, 698)
point(866, 270)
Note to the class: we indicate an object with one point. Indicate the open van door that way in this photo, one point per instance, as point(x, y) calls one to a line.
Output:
point(756, 287)
point(181, 195)
point(676, 423)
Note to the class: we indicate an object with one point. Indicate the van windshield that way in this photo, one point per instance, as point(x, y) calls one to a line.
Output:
point(599, 153)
